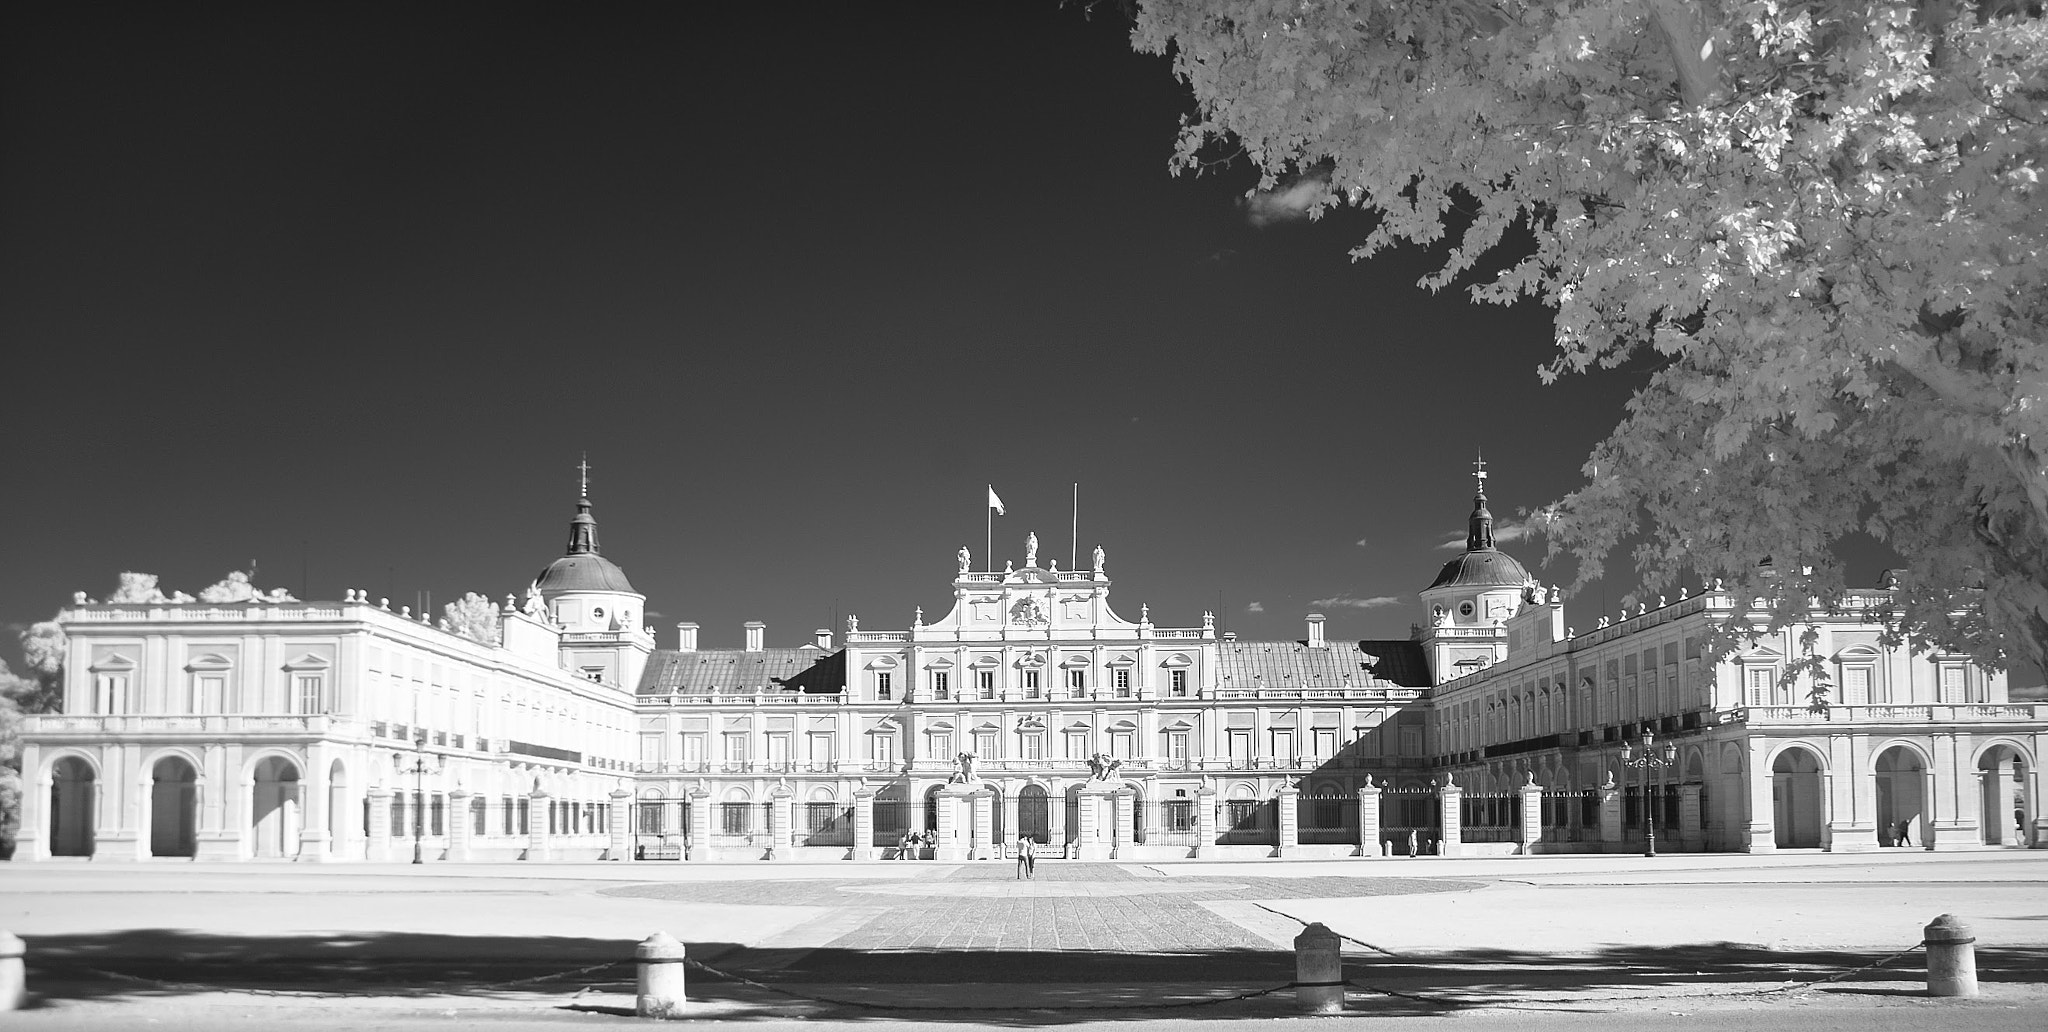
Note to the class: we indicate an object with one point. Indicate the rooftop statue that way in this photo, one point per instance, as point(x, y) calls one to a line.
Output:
point(1031, 549)
point(1101, 767)
point(963, 771)
point(1098, 558)
point(964, 558)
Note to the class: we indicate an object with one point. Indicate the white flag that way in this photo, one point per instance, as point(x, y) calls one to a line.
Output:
point(995, 503)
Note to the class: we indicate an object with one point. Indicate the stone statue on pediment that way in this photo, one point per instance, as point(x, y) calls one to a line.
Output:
point(1101, 767)
point(963, 771)
point(852, 624)
point(964, 557)
point(1031, 549)
point(535, 607)
point(1098, 558)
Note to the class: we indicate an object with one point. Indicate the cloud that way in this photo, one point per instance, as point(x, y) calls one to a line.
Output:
point(1290, 201)
point(1255, 607)
point(1354, 602)
point(1362, 544)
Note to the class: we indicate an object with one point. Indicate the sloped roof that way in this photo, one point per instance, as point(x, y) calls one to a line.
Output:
point(1482, 568)
point(586, 572)
point(1292, 664)
point(718, 671)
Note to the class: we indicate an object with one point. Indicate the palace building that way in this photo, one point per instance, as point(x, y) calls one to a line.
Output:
point(343, 731)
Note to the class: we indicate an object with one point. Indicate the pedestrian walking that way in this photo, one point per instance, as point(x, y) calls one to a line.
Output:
point(1411, 843)
point(1027, 857)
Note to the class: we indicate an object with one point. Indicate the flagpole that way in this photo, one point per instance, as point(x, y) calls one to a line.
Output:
point(1074, 533)
point(988, 535)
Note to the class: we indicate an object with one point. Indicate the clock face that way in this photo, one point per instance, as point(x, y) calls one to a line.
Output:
point(597, 612)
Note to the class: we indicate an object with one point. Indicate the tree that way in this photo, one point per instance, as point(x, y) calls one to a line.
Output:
point(141, 587)
point(474, 617)
point(237, 587)
point(1820, 224)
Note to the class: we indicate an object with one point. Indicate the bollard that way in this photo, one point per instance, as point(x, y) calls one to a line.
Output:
point(660, 985)
point(1951, 957)
point(1318, 971)
point(13, 980)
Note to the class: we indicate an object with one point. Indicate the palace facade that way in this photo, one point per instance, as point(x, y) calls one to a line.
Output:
point(344, 731)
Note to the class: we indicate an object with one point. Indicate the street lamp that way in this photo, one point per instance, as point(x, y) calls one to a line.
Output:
point(419, 770)
point(1652, 758)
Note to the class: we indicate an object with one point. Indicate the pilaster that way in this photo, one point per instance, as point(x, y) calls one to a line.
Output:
point(1532, 814)
point(1369, 819)
point(1287, 821)
point(700, 824)
point(537, 837)
point(458, 828)
point(1451, 800)
point(380, 824)
point(621, 824)
point(863, 824)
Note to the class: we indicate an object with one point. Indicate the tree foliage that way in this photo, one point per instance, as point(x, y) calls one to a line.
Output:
point(1820, 222)
point(474, 617)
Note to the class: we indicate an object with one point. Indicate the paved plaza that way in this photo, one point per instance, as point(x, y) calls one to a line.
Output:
point(969, 943)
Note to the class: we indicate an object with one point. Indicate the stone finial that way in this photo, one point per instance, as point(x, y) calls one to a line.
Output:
point(511, 604)
point(1661, 603)
point(1683, 593)
point(78, 598)
point(1642, 607)
point(1717, 584)
point(384, 604)
point(1602, 624)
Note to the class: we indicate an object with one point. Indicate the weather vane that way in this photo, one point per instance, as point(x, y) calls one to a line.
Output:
point(583, 467)
point(1479, 467)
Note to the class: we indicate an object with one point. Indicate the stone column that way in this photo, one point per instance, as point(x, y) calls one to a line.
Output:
point(1056, 816)
point(949, 845)
point(1369, 819)
point(622, 824)
point(981, 843)
point(1092, 845)
point(1532, 816)
point(537, 811)
point(1451, 800)
point(2036, 817)
point(1610, 812)
point(700, 824)
point(779, 839)
point(1692, 828)
point(313, 809)
point(1205, 821)
point(863, 824)
point(458, 828)
point(380, 824)
point(1120, 837)
point(1762, 830)
point(1287, 821)
point(1953, 798)
point(31, 840)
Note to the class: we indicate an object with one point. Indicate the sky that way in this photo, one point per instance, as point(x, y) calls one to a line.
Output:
point(347, 292)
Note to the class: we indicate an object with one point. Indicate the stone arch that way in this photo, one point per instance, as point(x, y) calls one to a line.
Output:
point(1796, 798)
point(1900, 770)
point(2007, 803)
point(275, 805)
point(173, 804)
point(74, 804)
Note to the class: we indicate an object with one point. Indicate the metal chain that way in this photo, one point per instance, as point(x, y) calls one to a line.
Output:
point(347, 993)
point(868, 1005)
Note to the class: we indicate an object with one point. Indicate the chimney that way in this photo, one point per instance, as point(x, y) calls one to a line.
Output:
point(824, 638)
point(1229, 635)
point(756, 630)
point(1315, 631)
point(686, 637)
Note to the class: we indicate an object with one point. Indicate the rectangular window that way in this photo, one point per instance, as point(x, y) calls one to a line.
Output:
point(1031, 745)
point(650, 747)
point(733, 818)
point(506, 804)
point(651, 813)
point(1120, 744)
point(882, 749)
point(1122, 681)
point(1177, 748)
point(736, 750)
point(1077, 683)
point(1411, 740)
point(985, 744)
point(884, 688)
point(525, 816)
point(440, 814)
point(1177, 683)
point(1762, 681)
point(1326, 743)
point(985, 683)
point(1177, 815)
point(110, 694)
point(311, 694)
point(211, 694)
point(1077, 744)
point(942, 683)
point(1240, 748)
point(1031, 684)
point(778, 752)
point(1283, 746)
point(479, 817)
point(1951, 683)
point(1241, 814)
point(820, 817)
point(821, 752)
point(693, 751)
point(942, 745)
point(1856, 685)
point(398, 829)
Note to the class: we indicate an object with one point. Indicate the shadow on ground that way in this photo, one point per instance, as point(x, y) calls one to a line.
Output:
point(1030, 988)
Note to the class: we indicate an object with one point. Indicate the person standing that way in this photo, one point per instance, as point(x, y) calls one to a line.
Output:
point(1027, 857)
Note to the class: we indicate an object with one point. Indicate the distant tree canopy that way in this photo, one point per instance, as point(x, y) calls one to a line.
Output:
point(473, 616)
point(1821, 222)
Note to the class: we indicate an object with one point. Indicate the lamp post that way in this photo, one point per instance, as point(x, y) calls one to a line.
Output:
point(419, 770)
point(1651, 758)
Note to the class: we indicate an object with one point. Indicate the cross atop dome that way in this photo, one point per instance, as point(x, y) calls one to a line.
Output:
point(583, 468)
